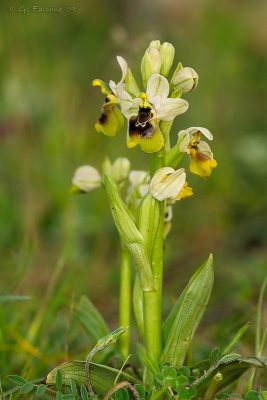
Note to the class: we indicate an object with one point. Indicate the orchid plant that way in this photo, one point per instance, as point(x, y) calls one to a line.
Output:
point(142, 205)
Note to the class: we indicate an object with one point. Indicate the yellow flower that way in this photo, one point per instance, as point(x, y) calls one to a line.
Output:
point(144, 113)
point(111, 120)
point(168, 184)
point(201, 157)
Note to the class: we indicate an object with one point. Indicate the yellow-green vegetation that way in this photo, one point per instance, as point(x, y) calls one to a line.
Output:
point(57, 248)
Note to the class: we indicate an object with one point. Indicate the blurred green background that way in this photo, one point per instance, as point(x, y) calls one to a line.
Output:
point(56, 247)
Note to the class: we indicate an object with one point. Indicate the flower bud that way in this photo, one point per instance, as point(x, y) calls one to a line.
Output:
point(185, 79)
point(151, 64)
point(120, 169)
point(167, 55)
point(155, 43)
point(167, 183)
point(138, 177)
point(86, 179)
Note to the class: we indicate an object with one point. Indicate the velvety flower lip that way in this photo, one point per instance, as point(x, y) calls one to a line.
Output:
point(145, 112)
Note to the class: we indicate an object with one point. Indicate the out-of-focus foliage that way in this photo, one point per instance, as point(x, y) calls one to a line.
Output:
point(55, 247)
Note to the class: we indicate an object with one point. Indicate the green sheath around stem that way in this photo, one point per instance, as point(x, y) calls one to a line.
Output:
point(125, 300)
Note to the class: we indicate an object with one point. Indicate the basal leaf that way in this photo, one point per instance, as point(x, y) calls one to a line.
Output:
point(101, 377)
point(186, 315)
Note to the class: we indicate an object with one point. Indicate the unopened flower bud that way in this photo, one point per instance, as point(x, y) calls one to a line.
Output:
point(151, 64)
point(155, 43)
point(167, 55)
point(167, 183)
point(185, 79)
point(86, 179)
point(120, 169)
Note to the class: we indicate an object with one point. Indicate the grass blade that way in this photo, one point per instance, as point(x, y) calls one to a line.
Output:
point(91, 320)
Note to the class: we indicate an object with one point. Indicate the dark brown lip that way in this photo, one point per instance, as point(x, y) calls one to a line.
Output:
point(144, 130)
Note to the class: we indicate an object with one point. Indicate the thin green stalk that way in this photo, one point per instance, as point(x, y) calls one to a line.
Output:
point(125, 300)
point(259, 318)
point(260, 340)
point(173, 157)
point(153, 299)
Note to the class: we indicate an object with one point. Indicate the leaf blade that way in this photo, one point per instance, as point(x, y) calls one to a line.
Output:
point(188, 315)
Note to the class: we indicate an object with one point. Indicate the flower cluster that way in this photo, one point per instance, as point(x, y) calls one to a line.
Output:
point(149, 114)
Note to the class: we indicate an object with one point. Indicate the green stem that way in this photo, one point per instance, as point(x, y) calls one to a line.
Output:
point(259, 344)
point(173, 157)
point(125, 300)
point(138, 305)
point(153, 299)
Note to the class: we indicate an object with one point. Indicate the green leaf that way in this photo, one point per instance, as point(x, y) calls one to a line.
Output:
point(27, 387)
point(130, 235)
point(73, 387)
point(263, 395)
point(169, 372)
point(141, 390)
point(252, 395)
point(101, 377)
point(236, 338)
point(91, 320)
point(121, 394)
point(151, 365)
point(186, 392)
point(186, 315)
point(214, 356)
point(58, 380)
point(59, 395)
point(184, 371)
point(18, 380)
point(84, 392)
point(181, 380)
point(40, 390)
point(69, 397)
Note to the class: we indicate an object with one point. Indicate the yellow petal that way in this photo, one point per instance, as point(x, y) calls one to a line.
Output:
point(105, 89)
point(111, 120)
point(153, 143)
point(200, 164)
point(186, 191)
point(133, 140)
